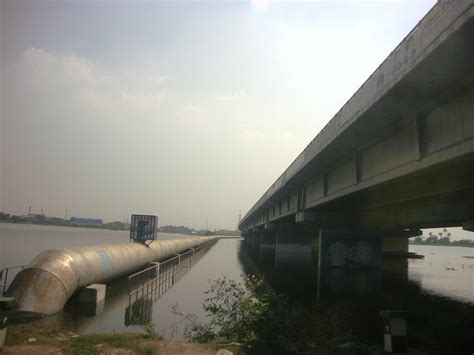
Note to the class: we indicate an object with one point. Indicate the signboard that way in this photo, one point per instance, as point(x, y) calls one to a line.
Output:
point(143, 227)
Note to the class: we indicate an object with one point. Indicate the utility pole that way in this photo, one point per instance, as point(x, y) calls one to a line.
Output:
point(65, 215)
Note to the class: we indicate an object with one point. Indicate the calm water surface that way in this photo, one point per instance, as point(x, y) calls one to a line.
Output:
point(20, 243)
point(438, 291)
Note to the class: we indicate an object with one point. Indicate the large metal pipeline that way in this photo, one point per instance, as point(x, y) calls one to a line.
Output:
point(48, 281)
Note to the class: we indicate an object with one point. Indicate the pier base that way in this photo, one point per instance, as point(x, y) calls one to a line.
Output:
point(91, 300)
point(350, 264)
point(267, 250)
point(350, 249)
point(92, 294)
point(468, 226)
point(295, 241)
point(395, 245)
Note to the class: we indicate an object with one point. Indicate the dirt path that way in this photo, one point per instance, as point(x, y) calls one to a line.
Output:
point(161, 347)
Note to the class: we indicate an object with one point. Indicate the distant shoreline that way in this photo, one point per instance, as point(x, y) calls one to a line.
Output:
point(445, 245)
point(104, 226)
point(113, 227)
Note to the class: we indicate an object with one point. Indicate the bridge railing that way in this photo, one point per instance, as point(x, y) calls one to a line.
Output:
point(161, 276)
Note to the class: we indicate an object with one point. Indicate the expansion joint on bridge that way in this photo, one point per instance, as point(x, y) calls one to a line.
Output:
point(356, 168)
point(416, 134)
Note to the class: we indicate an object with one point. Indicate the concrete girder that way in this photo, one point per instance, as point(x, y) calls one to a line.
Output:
point(420, 116)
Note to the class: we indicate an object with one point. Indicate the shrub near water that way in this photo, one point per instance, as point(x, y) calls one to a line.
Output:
point(263, 321)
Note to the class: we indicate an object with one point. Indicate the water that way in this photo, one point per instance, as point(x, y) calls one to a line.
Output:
point(446, 271)
point(19, 244)
point(438, 291)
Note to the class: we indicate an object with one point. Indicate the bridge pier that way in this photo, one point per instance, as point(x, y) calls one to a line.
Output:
point(349, 249)
point(468, 226)
point(395, 245)
point(350, 263)
point(252, 243)
point(268, 242)
point(295, 259)
point(255, 242)
point(294, 241)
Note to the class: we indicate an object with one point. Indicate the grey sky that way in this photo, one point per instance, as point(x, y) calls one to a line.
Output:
point(187, 110)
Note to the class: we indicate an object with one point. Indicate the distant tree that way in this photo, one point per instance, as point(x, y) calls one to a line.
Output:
point(432, 239)
point(444, 241)
point(418, 240)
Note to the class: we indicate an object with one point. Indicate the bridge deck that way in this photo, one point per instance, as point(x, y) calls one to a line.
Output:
point(413, 113)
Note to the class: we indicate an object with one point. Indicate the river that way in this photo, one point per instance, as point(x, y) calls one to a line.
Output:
point(437, 290)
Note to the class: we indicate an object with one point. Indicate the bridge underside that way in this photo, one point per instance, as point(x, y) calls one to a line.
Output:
point(439, 196)
point(406, 163)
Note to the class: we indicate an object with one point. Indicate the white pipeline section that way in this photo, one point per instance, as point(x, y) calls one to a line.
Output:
point(46, 284)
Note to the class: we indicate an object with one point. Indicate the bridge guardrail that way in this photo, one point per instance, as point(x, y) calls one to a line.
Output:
point(161, 276)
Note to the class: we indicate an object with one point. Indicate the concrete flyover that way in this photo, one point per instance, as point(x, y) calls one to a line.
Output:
point(399, 155)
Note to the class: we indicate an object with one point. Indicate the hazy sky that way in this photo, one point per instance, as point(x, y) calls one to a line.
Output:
point(187, 110)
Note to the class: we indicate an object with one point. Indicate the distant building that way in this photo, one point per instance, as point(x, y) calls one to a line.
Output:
point(86, 221)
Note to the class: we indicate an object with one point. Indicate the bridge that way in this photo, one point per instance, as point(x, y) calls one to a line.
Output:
point(397, 157)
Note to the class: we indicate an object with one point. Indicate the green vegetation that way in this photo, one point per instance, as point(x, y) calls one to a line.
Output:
point(186, 230)
point(262, 321)
point(78, 344)
point(116, 225)
point(55, 221)
point(443, 239)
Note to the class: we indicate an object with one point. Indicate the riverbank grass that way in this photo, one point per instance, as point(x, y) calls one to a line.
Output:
point(27, 338)
point(73, 343)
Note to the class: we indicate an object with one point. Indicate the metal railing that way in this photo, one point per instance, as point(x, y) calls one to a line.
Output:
point(147, 285)
point(164, 274)
point(7, 275)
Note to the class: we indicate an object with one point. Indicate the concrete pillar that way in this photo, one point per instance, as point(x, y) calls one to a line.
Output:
point(349, 264)
point(395, 280)
point(267, 245)
point(255, 241)
point(253, 245)
point(91, 300)
point(392, 245)
point(264, 257)
point(295, 266)
point(468, 226)
point(350, 249)
point(294, 242)
point(92, 294)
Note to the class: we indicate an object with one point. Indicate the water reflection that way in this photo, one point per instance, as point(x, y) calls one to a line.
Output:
point(435, 322)
point(140, 312)
point(147, 286)
point(119, 311)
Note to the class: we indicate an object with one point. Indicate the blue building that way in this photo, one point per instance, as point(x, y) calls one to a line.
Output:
point(86, 221)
